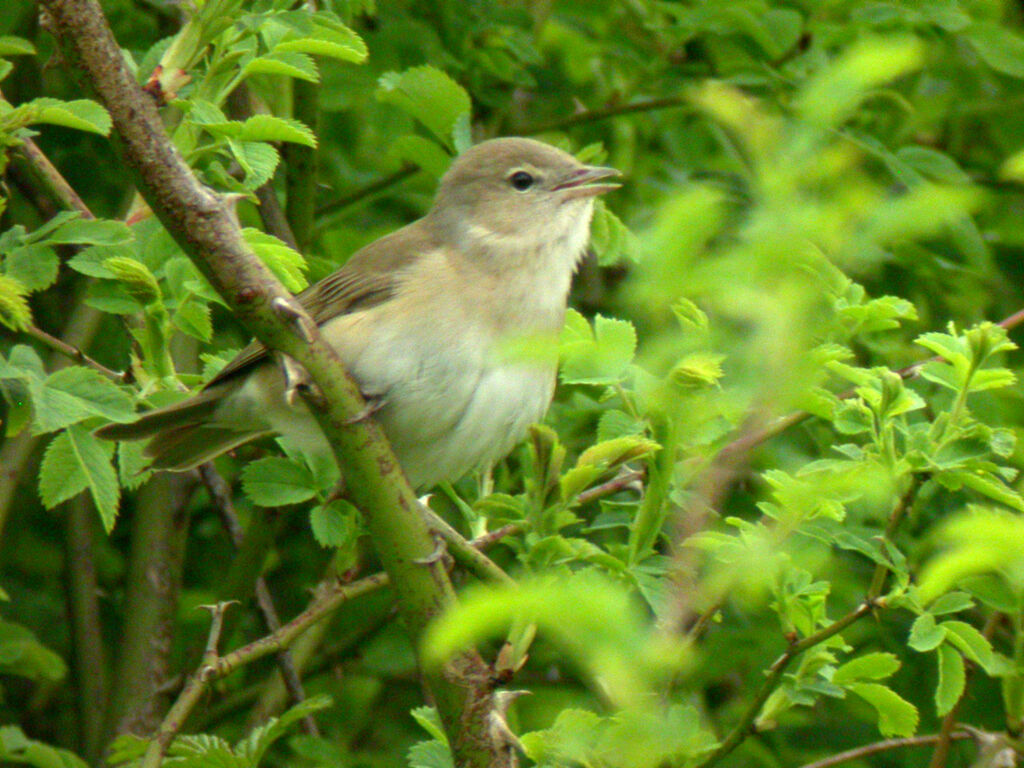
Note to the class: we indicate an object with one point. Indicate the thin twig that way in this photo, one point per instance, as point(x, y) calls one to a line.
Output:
point(73, 352)
point(51, 179)
point(465, 553)
point(595, 115)
point(882, 746)
point(371, 189)
point(618, 483)
point(329, 598)
point(190, 694)
point(219, 492)
point(744, 726)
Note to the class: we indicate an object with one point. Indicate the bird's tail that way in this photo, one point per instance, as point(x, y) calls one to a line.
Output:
point(183, 435)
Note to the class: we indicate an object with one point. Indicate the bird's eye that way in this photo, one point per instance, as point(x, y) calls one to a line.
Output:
point(521, 181)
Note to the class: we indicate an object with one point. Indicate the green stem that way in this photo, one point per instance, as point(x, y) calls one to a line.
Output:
point(300, 164)
point(737, 735)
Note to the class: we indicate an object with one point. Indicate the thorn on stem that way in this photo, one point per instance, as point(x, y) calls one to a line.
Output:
point(300, 323)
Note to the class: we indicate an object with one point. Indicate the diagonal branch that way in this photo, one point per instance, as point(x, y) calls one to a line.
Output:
point(205, 226)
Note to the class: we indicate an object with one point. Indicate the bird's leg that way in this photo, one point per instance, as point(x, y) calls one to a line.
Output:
point(300, 322)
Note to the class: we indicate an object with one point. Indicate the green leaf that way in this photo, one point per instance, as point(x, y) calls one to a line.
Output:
point(999, 47)
point(334, 524)
point(92, 232)
point(870, 666)
point(952, 679)
point(14, 309)
point(284, 261)
point(273, 128)
point(285, 63)
point(896, 716)
point(933, 164)
point(320, 35)
point(96, 394)
point(15, 46)
point(429, 720)
point(136, 279)
point(34, 266)
point(80, 114)
point(430, 96)
point(16, 747)
point(276, 481)
point(193, 318)
point(75, 461)
point(23, 655)
point(925, 635)
point(972, 644)
point(951, 602)
point(596, 356)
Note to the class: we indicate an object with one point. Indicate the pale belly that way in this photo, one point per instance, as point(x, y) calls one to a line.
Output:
point(445, 409)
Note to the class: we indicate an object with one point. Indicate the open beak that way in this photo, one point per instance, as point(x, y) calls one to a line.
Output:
point(588, 182)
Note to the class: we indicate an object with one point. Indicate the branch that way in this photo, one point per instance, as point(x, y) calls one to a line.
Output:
point(371, 189)
point(747, 442)
point(158, 534)
point(744, 726)
point(74, 353)
point(205, 226)
point(86, 631)
point(329, 598)
point(882, 746)
point(585, 116)
point(51, 180)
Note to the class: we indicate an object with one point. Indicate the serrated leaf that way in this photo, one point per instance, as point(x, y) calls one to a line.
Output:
point(952, 679)
point(132, 464)
point(91, 232)
point(276, 481)
point(896, 715)
point(80, 114)
point(283, 260)
point(989, 486)
point(273, 128)
point(284, 63)
point(193, 318)
point(75, 461)
point(870, 666)
point(334, 524)
point(34, 266)
point(326, 37)
point(259, 159)
point(430, 96)
point(596, 356)
point(14, 310)
point(98, 395)
point(971, 643)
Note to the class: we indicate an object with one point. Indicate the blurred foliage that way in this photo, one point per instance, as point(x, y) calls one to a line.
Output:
point(820, 196)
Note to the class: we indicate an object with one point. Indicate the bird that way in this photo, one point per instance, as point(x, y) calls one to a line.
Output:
point(422, 319)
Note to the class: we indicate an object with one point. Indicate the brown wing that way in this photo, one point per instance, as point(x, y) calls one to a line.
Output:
point(370, 277)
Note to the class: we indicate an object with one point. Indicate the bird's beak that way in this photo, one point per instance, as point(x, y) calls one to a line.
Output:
point(587, 182)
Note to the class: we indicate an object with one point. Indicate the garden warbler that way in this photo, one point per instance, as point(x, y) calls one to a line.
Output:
point(423, 319)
